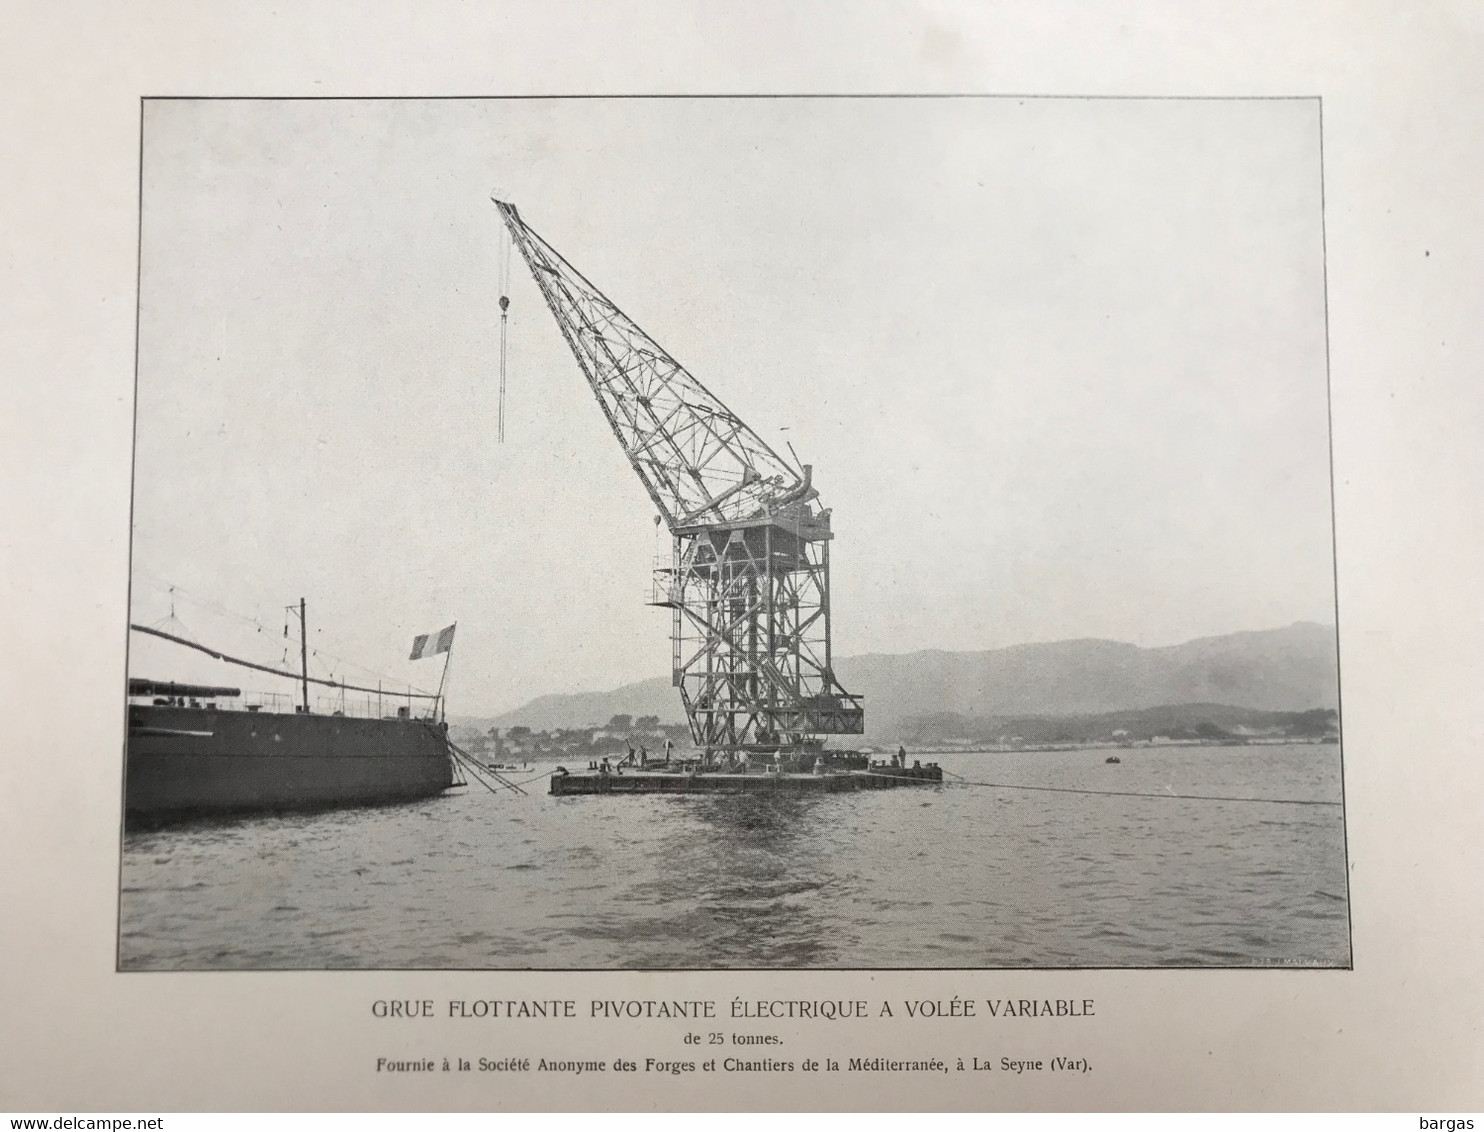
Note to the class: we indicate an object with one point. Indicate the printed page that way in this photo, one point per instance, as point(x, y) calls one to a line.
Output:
point(868, 569)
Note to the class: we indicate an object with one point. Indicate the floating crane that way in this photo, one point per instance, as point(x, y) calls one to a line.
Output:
point(749, 577)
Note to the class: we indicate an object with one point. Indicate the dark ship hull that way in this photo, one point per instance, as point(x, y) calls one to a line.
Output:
point(185, 761)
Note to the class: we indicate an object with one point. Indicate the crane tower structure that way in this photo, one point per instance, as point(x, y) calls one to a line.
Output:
point(748, 581)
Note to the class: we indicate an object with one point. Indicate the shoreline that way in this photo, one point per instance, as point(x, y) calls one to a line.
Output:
point(1145, 745)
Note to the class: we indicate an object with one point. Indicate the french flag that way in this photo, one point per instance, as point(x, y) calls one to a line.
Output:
point(431, 644)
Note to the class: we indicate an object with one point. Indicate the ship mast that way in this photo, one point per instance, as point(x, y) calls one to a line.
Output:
point(303, 652)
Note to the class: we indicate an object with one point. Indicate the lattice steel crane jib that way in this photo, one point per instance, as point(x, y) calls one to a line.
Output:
point(748, 581)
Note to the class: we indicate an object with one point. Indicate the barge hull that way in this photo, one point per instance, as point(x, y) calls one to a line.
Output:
point(186, 761)
point(719, 782)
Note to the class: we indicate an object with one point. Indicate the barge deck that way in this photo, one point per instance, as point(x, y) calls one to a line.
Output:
point(643, 781)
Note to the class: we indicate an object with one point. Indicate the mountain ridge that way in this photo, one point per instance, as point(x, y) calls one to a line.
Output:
point(1293, 668)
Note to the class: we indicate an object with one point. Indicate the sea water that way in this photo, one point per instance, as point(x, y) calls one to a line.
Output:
point(952, 876)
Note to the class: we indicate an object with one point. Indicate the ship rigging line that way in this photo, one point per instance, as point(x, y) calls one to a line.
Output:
point(251, 622)
point(389, 692)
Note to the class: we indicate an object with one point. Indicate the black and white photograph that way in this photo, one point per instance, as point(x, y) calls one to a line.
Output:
point(565, 558)
point(747, 533)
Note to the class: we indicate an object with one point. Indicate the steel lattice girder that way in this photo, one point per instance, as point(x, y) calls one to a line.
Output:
point(753, 668)
point(750, 581)
point(698, 460)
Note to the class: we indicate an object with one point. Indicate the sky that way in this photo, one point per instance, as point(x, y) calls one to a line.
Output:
point(1059, 366)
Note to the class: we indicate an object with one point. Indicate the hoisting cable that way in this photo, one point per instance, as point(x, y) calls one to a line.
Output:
point(504, 272)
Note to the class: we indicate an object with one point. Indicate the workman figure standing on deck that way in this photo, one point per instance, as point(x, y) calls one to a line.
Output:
point(902, 757)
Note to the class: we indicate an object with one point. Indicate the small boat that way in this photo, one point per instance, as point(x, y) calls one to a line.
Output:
point(1112, 759)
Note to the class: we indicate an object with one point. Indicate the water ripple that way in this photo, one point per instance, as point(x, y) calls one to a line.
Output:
point(952, 878)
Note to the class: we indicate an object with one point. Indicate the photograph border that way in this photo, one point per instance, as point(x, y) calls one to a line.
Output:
point(1279, 965)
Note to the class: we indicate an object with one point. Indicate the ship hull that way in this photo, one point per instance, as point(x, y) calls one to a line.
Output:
point(185, 761)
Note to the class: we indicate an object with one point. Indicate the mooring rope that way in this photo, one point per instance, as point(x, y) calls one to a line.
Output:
point(471, 774)
point(535, 778)
point(1042, 789)
point(470, 767)
point(471, 764)
point(465, 767)
point(1138, 794)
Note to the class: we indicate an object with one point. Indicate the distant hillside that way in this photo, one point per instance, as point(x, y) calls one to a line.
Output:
point(1208, 722)
point(588, 709)
point(1277, 670)
point(1290, 669)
